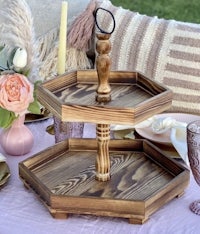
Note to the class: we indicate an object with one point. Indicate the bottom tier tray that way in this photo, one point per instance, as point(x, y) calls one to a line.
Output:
point(143, 179)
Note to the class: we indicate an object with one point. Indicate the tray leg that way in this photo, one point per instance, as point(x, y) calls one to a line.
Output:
point(58, 215)
point(137, 220)
point(103, 158)
point(180, 194)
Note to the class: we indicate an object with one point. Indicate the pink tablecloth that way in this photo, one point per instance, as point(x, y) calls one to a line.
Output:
point(22, 212)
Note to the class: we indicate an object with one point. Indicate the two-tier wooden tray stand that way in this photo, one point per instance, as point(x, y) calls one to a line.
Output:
point(103, 176)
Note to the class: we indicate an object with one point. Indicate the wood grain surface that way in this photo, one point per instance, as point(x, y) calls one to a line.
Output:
point(72, 97)
point(143, 179)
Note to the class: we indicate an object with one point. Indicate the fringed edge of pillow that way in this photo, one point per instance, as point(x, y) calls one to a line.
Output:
point(48, 51)
point(75, 59)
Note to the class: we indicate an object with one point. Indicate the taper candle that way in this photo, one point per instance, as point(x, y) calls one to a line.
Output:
point(62, 39)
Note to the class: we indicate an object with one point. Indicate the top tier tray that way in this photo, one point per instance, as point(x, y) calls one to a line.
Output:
point(134, 97)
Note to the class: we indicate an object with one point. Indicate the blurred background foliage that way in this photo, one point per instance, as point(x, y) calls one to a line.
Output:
point(181, 10)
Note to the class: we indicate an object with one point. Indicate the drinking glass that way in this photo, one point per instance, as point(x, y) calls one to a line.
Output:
point(193, 143)
point(65, 130)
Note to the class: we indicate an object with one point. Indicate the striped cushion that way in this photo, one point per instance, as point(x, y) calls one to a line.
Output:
point(165, 50)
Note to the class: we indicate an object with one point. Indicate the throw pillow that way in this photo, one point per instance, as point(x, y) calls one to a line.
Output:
point(167, 51)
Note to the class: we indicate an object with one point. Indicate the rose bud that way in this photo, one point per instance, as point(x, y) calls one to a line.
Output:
point(20, 58)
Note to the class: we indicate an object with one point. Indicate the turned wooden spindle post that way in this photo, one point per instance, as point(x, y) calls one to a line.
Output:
point(103, 157)
point(103, 62)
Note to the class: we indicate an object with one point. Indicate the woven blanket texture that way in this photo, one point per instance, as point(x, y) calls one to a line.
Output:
point(167, 51)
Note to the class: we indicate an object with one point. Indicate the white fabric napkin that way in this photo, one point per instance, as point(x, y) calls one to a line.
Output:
point(179, 140)
point(143, 124)
point(177, 134)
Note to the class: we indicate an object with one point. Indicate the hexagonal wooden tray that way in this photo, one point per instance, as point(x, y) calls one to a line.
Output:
point(134, 97)
point(142, 179)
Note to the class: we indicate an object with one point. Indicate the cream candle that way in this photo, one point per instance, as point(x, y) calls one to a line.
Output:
point(62, 39)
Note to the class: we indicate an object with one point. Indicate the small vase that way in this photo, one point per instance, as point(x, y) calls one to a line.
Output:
point(18, 139)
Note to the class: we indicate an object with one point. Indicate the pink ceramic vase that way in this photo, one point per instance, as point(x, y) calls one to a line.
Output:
point(18, 139)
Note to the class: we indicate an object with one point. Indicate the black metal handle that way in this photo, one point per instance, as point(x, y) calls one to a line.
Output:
point(97, 24)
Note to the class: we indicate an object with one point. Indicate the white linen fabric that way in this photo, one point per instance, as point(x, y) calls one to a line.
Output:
point(21, 212)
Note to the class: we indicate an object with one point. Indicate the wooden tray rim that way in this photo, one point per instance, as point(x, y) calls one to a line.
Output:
point(56, 151)
point(137, 209)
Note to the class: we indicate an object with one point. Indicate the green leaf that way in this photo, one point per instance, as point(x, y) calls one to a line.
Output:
point(6, 118)
point(1, 48)
point(11, 56)
point(34, 107)
point(25, 72)
point(36, 84)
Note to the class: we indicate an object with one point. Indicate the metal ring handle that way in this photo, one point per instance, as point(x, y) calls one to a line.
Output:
point(96, 21)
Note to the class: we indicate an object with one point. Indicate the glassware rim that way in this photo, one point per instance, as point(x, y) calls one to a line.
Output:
point(193, 122)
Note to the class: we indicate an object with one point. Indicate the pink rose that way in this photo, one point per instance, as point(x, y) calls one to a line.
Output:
point(16, 93)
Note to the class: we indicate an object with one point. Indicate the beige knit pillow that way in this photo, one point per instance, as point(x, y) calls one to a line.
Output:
point(165, 50)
